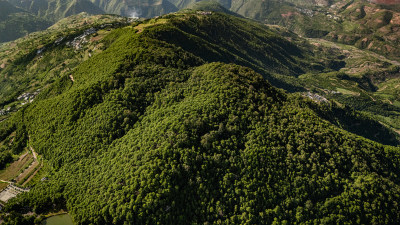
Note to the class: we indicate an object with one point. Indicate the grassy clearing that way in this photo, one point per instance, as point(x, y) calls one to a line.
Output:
point(15, 168)
point(62, 219)
point(358, 61)
point(392, 122)
point(3, 185)
point(27, 172)
point(152, 22)
point(347, 92)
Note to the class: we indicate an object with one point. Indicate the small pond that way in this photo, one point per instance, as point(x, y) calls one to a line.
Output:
point(63, 219)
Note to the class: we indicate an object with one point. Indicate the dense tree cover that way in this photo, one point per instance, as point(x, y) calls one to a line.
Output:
point(360, 23)
point(150, 132)
point(230, 39)
point(384, 111)
point(5, 157)
point(364, 24)
point(355, 122)
point(17, 218)
point(203, 38)
point(219, 145)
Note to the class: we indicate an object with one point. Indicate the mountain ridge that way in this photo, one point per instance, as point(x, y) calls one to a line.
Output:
point(150, 131)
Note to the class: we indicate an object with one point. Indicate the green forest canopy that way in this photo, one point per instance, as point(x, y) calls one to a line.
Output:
point(152, 133)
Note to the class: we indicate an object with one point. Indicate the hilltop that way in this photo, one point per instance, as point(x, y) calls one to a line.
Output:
point(360, 35)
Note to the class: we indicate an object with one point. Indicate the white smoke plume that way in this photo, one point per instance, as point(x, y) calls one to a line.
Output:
point(133, 13)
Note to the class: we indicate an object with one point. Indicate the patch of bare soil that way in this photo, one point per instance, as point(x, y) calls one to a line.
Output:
point(12, 171)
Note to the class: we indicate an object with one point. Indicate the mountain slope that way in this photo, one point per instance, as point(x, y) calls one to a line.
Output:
point(212, 38)
point(364, 24)
point(365, 81)
point(78, 6)
point(250, 44)
point(368, 81)
point(151, 131)
point(361, 23)
point(35, 61)
point(15, 22)
point(55, 10)
point(6, 9)
point(372, 25)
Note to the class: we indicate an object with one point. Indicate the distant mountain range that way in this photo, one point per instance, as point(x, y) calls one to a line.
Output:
point(312, 18)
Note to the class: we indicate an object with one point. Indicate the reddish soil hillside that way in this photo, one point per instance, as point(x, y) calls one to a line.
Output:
point(386, 2)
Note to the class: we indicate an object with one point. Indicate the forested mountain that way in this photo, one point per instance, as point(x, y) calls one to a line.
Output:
point(7, 9)
point(172, 121)
point(372, 25)
point(55, 10)
point(364, 80)
point(368, 82)
point(15, 22)
point(365, 25)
